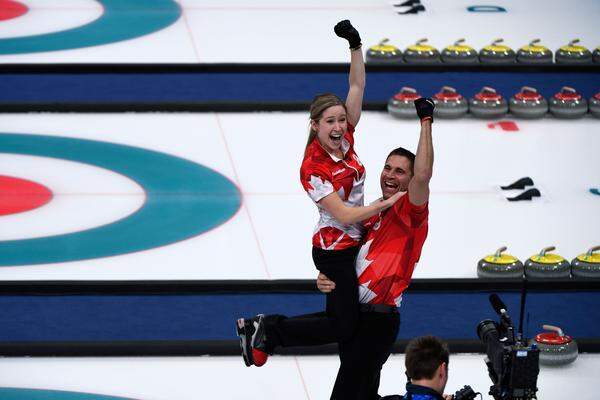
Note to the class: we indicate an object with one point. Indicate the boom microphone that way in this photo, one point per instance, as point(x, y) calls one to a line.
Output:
point(498, 304)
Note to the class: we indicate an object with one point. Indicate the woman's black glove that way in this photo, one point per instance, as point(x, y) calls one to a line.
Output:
point(425, 108)
point(344, 29)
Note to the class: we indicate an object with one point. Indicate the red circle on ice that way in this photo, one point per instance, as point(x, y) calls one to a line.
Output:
point(10, 9)
point(20, 195)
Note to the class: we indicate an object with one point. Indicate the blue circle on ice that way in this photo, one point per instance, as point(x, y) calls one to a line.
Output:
point(120, 20)
point(40, 394)
point(183, 200)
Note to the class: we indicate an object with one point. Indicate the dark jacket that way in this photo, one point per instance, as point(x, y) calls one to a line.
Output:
point(416, 392)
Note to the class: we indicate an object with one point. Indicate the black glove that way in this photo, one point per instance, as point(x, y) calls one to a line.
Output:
point(425, 108)
point(344, 29)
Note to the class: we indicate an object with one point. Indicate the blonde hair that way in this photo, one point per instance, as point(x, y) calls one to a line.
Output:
point(320, 103)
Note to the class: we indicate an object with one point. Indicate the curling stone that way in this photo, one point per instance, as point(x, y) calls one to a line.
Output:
point(534, 53)
point(587, 265)
point(402, 105)
point(556, 348)
point(573, 54)
point(449, 104)
point(595, 105)
point(596, 55)
point(421, 53)
point(384, 53)
point(528, 103)
point(460, 53)
point(488, 104)
point(499, 265)
point(547, 265)
point(568, 104)
point(497, 53)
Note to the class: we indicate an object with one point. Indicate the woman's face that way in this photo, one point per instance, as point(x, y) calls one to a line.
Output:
point(331, 128)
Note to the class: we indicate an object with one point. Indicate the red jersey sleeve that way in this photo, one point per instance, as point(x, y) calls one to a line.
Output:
point(316, 180)
point(411, 215)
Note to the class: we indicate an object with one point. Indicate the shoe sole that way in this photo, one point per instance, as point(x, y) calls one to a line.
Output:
point(245, 345)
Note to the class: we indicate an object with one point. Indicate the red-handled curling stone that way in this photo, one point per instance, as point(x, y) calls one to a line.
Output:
point(402, 105)
point(568, 104)
point(449, 103)
point(556, 348)
point(488, 104)
point(528, 103)
point(594, 105)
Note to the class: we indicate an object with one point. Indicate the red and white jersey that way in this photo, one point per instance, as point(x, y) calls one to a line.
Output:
point(322, 174)
point(391, 249)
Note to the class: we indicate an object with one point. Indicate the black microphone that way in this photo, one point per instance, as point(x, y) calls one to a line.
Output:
point(498, 304)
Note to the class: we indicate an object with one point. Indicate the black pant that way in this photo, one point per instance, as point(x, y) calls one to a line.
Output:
point(365, 355)
point(363, 347)
point(361, 358)
point(338, 323)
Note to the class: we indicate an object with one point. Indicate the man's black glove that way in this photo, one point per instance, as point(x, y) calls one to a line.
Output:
point(344, 29)
point(425, 108)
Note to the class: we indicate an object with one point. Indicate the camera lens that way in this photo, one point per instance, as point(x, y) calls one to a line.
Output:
point(486, 330)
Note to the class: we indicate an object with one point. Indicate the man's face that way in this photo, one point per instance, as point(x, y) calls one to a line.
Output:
point(444, 378)
point(395, 176)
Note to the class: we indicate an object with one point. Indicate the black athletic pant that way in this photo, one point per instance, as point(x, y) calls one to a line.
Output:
point(339, 322)
point(363, 347)
point(361, 358)
point(365, 355)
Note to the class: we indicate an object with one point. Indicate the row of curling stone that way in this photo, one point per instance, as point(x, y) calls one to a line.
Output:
point(496, 53)
point(488, 103)
point(544, 265)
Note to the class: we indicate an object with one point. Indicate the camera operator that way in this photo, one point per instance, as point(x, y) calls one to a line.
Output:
point(426, 362)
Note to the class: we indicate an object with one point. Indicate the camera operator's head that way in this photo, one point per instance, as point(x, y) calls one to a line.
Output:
point(426, 362)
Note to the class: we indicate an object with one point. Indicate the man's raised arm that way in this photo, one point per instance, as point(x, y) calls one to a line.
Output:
point(418, 187)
